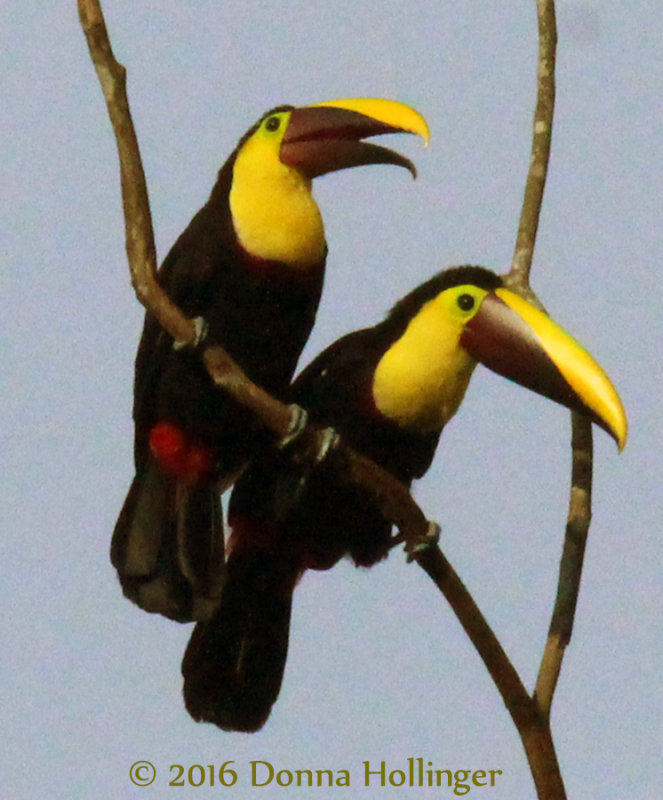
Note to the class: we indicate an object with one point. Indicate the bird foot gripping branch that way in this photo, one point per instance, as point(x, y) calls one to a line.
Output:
point(201, 329)
point(307, 447)
point(321, 442)
point(430, 539)
point(298, 423)
point(328, 440)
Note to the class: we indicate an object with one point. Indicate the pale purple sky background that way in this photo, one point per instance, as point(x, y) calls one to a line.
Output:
point(379, 668)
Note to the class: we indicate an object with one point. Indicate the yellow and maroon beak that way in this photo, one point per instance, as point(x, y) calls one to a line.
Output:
point(328, 136)
point(514, 339)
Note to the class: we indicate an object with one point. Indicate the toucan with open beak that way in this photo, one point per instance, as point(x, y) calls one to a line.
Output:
point(388, 391)
point(250, 265)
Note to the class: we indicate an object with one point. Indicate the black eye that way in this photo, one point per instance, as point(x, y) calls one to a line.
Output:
point(273, 124)
point(465, 302)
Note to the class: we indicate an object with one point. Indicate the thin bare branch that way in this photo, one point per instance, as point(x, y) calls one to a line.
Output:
point(579, 515)
point(141, 252)
point(532, 726)
point(542, 759)
point(518, 277)
point(537, 737)
point(514, 694)
point(570, 568)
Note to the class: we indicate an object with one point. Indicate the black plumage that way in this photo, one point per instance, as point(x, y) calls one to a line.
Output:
point(285, 520)
point(168, 541)
point(251, 264)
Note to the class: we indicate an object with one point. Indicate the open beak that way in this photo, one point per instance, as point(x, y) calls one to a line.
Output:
point(328, 136)
point(514, 339)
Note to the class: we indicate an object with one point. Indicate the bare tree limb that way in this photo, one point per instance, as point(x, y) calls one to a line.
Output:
point(570, 569)
point(141, 251)
point(579, 514)
point(518, 277)
point(532, 726)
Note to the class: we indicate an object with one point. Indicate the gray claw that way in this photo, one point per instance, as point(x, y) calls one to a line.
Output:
point(431, 538)
point(200, 333)
point(298, 422)
point(330, 438)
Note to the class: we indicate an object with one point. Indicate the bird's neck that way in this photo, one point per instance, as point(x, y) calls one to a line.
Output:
point(275, 216)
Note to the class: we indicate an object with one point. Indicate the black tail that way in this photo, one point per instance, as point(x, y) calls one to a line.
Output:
point(168, 545)
point(234, 663)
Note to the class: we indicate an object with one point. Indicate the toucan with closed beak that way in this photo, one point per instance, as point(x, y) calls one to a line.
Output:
point(388, 391)
point(250, 268)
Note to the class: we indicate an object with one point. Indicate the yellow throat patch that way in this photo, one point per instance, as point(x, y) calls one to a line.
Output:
point(421, 380)
point(273, 210)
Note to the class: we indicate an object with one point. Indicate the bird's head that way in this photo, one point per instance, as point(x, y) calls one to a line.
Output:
point(465, 316)
point(329, 136)
point(273, 210)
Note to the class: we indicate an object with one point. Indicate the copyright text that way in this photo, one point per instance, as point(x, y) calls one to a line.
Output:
point(414, 773)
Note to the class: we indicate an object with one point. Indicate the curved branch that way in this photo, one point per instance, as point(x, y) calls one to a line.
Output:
point(579, 514)
point(532, 726)
point(537, 738)
point(570, 568)
point(141, 251)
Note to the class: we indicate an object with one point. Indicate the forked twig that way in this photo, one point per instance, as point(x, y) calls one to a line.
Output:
point(579, 514)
